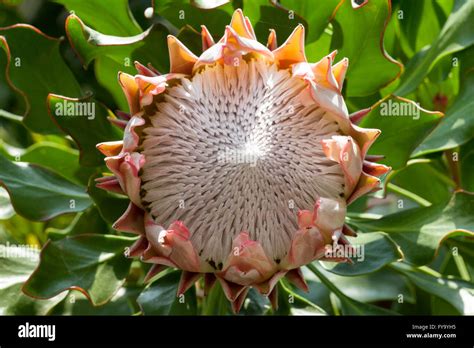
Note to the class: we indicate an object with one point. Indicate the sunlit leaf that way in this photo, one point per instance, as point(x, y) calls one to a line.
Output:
point(348, 305)
point(264, 17)
point(93, 264)
point(420, 23)
point(14, 271)
point(39, 61)
point(372, 252)
point(384, 285)
point(58, 158)
point(370, 67)
point(111, 17)
point(403, 124)
point(122, 303)
point(420, 231)
point(457, 292)
point(456, 34)
point(39, 194)
point(316, 13)
point(89, 221)
point(457, 127)
point(413, 178)
point(181, 12)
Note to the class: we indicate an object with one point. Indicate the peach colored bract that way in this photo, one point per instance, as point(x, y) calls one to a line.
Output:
point(244, 224)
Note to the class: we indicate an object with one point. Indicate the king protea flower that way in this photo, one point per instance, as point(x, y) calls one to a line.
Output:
point(239, 163)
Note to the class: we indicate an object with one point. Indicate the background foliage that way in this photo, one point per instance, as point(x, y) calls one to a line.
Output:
point(417, 231)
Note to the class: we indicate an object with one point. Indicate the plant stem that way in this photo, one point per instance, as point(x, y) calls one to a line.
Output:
point(285, 286)
point(414, 197)
point(10, 116)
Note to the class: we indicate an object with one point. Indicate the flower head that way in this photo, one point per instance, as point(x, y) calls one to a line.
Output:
point(239, 163)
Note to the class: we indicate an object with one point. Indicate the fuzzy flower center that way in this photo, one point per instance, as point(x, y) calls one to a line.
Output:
point(234, 149)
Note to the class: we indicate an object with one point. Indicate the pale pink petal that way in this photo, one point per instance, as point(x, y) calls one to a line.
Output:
point(247, 262)
point(109, 183)
point(130, 137)
point(345, 151)
point(329, 214)
point(132, 220)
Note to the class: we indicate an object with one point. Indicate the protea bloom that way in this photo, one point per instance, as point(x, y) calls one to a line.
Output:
point(239, 163)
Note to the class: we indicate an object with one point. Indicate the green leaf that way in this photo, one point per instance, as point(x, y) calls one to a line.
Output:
point(316, 13)
point(458, 293)
point(370, 66)
point(93, 264)
point(420, 231)
point(58, 158)
point(110, 205)
point(190, 38)
point(297, 304)
point(216, 303)
point(264, 17)
point(464, 249)
point(106, 71)
point(413, 179)
point(86, 121)
point(456, 35)
point(122, 303)
point(161, 297)
point(403, 124)
point(255, 304)
point(14, 271)
point(39, 194)
point(320, 48)
point(420, 25)
point(318, 293)
point(348, 305)
point(111, 17)
point(373, 251)
point(181, 12)
point(457, 127)
point(6, 208)
point(384, 285)
point(39, 61)
point(117, 53)
point(91, 44)
point(89, 221)
point(22, 231)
